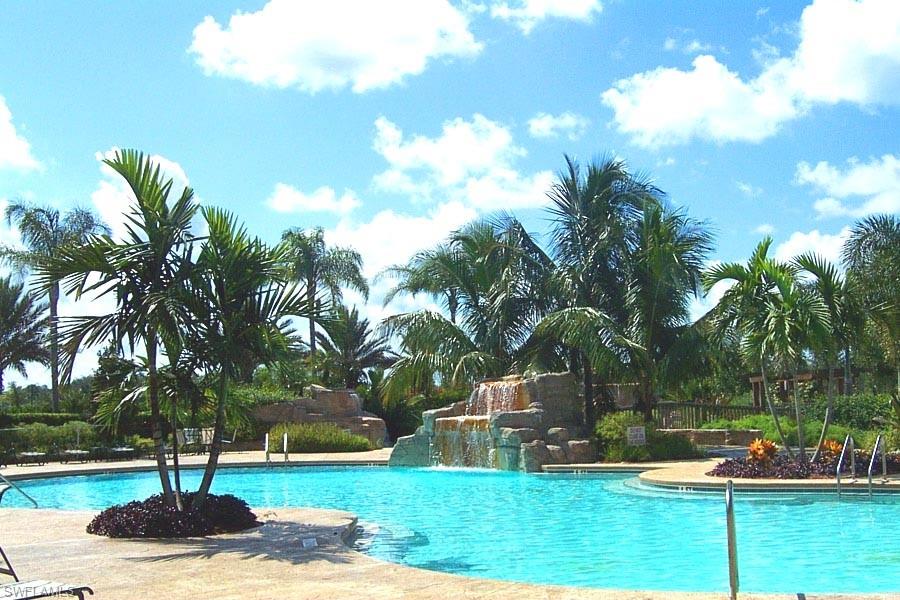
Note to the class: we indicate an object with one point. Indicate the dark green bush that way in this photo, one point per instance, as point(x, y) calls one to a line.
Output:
point(43, 438)
point(316, 437)
point(14, 419)
point(811, 429)
point(151, 518)
point(612, 436)
point(856, 411)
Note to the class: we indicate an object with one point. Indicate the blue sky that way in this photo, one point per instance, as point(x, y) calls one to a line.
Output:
point(392, 123)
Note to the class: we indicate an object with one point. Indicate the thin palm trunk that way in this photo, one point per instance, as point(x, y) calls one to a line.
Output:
point(829, 409)
point(156, 419)
point(588, 378)
point(215, 448)
point(176, 469)
point(848, 374)
point(54, 347)
point(798, 411)
point(772, 411)
point(311, 295)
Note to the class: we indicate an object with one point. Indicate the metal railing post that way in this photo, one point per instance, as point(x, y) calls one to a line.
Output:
point(851, 447)
point(733, 578)
point(13, 486)
point(879, 443)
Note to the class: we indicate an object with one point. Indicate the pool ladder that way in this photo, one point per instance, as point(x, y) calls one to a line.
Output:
point(848, 443)
point(879, 443)
point(6, 485)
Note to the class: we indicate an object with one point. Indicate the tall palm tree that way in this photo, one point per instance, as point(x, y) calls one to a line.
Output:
point(144, 272)
point(432, 272)
point(45, 231)
point(310, 261)
point(742, 311)
point(872, 256)
point(844, 318)
point(239, 306)
point(22, 328)
point(497, 293)
point(594, 211)
point(353, 346)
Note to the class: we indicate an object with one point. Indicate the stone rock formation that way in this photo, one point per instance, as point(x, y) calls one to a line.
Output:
point(513, 423)
point(343, 408)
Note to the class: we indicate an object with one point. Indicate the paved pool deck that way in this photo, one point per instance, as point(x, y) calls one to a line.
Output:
point(270, 562)
point(266, 563)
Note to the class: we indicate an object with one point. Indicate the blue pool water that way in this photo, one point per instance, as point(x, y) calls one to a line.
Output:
point(601, 531)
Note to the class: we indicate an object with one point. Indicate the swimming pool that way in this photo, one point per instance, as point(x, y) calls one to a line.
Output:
point(604, 531)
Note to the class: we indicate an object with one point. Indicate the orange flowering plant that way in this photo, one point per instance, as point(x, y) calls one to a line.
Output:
point(762, 450)
point(832, 447)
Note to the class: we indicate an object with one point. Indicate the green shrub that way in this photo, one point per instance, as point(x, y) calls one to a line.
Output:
point(25, 418)
point(812, 428)
point(316, 437)
point(857, 411)
point(612, 435)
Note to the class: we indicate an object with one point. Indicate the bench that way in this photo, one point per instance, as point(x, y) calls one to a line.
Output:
point(29, 590)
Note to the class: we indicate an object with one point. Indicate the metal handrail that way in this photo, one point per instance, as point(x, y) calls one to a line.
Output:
point(13, 486)
point(879, 443)
point(733, 578)
point(848, 443)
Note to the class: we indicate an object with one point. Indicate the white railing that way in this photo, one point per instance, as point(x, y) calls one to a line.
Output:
point(733, 578)
point(879, 443)
point(851, 445)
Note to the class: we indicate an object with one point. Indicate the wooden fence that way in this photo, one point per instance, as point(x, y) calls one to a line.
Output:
point(689, 415)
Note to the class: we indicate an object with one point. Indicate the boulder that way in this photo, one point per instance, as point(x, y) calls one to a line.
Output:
point(515, 437)
point(456, 409)
point(557, 436)
point(557, 455)
point(411, 451)
point(519, 419)
point(532, 456)
point(581, 452)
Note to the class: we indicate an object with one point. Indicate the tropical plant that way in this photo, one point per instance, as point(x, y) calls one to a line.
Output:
point(240, 307)
point(433, 272)
point(872, 256)
point(353, 346)
point(309, 260)
point(45, 231)
point(144, 272)
point(22, 328)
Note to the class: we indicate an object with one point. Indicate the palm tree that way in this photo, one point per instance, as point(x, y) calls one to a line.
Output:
point(844, 317)
point(742, 311)
point(144, 272)
point(22, 328)
point(594, 213)
point(310, 261)
point(353, 346)
point(432, 272)
point(239, 307)
point(498, 301)
point(872, 256)
point(45, 231)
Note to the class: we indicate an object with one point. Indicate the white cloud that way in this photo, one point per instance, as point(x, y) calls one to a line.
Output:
point(287, 199)
point(544, 125)
point(330, 45)
point(527, 14)
point(15, 151)
point(692, 46)
point(764, 229)
point(471, 162)
point(849, 51)
point(761, 12)
point(823, 244)
point(875, 186)
point(748, 190)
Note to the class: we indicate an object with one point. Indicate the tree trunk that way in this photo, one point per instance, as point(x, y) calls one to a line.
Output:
point(829, 409)
point(801, 447)
point(311, 297)
point(176, 468)
point(848, 373)
point(774, 413)
point(156, 420)
point(54, 348)
point(588, 377)
point(1, 380)
point(216, 447)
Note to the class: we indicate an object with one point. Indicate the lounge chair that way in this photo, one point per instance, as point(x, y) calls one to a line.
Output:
point(38, 588)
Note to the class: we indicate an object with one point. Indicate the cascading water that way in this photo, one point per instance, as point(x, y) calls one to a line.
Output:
point(466, 441)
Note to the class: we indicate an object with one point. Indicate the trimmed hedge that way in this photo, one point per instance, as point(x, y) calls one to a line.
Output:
point(43, 438)
point(316, 437)
point(12, 419)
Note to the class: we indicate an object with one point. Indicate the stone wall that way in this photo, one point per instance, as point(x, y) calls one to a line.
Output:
point(717, 437)
point(343, 408)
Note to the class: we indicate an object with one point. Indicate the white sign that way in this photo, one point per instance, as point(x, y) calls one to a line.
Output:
point(637, 436)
